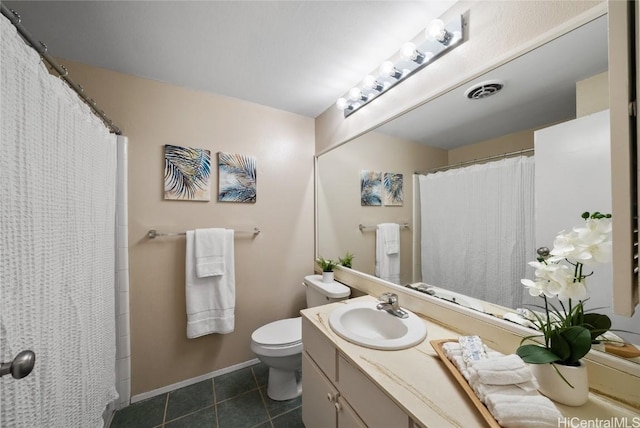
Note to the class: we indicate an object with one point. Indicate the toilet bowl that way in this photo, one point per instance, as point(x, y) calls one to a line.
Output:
point(278, 344)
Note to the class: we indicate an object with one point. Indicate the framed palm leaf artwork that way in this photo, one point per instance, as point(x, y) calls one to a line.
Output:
point(393, 189)
point(370, 188)
point(236, 178)
point(187, 173)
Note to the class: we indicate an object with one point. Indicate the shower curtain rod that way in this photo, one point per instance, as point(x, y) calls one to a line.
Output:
point(41, 48)
point(488, 158)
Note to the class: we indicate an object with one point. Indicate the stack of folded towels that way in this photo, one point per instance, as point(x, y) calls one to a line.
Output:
point(503, 383)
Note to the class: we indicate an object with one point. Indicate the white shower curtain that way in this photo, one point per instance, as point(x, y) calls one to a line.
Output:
point(478, 229)
point(57, 207)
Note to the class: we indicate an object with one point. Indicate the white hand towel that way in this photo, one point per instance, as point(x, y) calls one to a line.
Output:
point(526, 388)
point(387, 265)
point(210, 257)
point(503, 370)
point(210, 300)
point(451, 349)
point(523, 411)
point(505, 362)
point(390, 236)
point(461, 365)
point(499, 377)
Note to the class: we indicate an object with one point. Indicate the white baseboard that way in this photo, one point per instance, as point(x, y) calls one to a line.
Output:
point(182, 384)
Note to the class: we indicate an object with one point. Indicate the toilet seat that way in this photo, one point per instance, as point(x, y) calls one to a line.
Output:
point(278, 338)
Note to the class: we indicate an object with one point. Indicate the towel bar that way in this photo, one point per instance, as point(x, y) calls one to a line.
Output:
point(362, 227)
point(153, 234)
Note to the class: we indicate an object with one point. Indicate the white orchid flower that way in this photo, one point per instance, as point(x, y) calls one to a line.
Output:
point(574, 290)
point(563, 246)
point(535, 288)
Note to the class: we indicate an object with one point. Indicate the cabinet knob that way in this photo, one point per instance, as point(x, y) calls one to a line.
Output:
point(331, 397)
point(337, 406)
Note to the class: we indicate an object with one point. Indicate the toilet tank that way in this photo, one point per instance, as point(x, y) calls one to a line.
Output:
point(320, 293)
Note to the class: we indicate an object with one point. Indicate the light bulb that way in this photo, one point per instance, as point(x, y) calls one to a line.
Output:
point(370, 82)
point(408, 51)
point(388, 69)
point(341, 103)
point(355, 94)
point(434, 30)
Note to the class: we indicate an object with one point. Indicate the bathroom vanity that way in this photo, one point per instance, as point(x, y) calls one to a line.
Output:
point(347, 385)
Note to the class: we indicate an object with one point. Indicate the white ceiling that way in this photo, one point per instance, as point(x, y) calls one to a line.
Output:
point(297, 56)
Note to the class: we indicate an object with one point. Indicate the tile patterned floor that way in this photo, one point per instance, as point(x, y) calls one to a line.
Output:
point(233, 400)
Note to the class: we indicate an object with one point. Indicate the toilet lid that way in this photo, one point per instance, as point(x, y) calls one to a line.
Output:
point(279, 333)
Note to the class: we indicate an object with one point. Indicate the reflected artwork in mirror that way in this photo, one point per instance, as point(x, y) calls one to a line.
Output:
point(556, 83)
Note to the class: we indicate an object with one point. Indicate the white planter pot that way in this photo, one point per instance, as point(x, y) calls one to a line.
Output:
point(327, 276)
point(552, 385)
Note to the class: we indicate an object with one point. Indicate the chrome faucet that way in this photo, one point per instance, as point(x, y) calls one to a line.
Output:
point(389, 303)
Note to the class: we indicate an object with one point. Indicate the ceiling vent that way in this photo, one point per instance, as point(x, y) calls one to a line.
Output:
point(484, 89)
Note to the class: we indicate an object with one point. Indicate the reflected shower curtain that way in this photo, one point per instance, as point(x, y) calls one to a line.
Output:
point(57, 193)
point(478, 229)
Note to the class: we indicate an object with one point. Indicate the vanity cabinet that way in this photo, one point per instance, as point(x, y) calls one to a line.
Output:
point(322, 404)
point(337, 394)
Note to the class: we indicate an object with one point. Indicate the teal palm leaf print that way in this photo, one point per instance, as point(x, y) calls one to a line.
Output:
point(237, 178)
point(186, 171)
point(370, 183)
point(393, 187)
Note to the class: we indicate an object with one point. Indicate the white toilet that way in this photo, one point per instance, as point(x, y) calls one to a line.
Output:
point(279, 343)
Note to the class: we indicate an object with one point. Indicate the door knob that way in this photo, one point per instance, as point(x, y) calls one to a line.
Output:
point(21, 365)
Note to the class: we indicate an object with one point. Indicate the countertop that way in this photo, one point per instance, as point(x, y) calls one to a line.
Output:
point(417, 380)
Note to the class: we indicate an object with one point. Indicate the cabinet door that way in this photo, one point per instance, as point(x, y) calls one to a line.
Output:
point(347, 417)
point(321, 351)
point(374, 407)
point(318, 397)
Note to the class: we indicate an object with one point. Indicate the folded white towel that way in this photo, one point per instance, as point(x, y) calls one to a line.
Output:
point(210, 245)
point(499, 377)
point(524, 411)
point(387, 264)
point(504, 362)
point(526, 388)
point(451, 348)
point(390, 236)
point(210, 300)
point(461, 365)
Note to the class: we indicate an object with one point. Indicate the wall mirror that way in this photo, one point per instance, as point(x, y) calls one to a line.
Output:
point(539, 90)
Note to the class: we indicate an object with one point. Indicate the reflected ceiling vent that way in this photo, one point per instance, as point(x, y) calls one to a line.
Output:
point(484, 89)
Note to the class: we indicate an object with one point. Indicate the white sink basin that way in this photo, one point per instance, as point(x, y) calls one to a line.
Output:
point(365, 325)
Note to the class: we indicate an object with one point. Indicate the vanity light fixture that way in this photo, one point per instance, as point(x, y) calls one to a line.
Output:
point(414, 56)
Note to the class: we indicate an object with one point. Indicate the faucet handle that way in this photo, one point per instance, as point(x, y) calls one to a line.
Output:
point(390, 298)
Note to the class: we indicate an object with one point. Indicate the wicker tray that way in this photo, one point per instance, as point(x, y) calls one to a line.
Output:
point(486, 414)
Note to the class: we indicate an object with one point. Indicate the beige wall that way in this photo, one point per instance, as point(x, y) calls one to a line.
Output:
point(339, 208)
point(269, 268)
point(498, 31)
point(522, 140)
point(592, 94)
